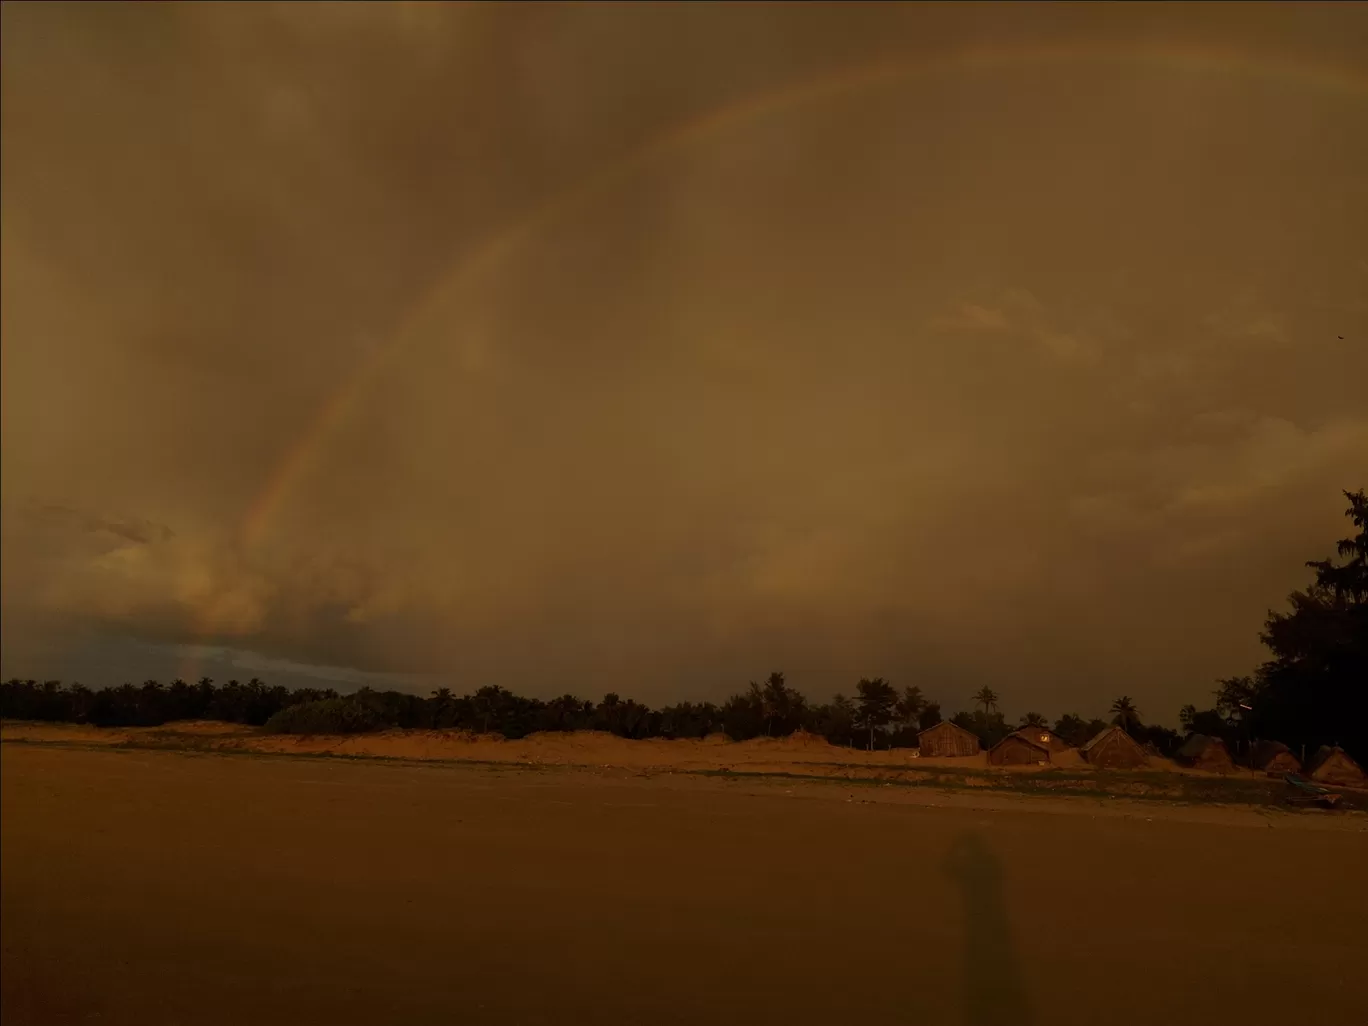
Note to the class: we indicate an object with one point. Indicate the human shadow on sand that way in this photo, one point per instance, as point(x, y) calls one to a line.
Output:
point(993, 988)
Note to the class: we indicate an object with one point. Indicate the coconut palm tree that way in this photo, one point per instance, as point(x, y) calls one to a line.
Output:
point(986, 697)
point(1126, 716)
point(1032, 719)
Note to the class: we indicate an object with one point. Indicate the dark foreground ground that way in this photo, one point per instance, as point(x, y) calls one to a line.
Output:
point(145, 887)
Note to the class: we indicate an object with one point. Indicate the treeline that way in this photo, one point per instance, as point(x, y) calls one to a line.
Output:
point(1313, 691)
point(771, 709)
point(878, 716)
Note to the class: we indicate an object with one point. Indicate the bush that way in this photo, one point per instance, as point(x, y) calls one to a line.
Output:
point(329, 716)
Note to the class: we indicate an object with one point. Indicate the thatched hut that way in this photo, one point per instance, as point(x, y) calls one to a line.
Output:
point(1332, 765)
point(1273, 758)
point(947, 740)
point(1113, 748)
point(1205, 753)
point(1044, 736)
point(1015, 750)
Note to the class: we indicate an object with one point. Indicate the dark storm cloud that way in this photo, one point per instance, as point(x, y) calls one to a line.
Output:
point(1029, 373)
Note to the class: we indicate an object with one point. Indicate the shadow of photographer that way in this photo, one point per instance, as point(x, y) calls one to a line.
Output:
point(994, 991)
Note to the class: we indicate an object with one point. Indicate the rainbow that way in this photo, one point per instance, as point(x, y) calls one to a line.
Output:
point(496, 251)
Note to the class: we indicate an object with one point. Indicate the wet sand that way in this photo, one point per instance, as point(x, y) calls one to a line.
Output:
point(152, 887)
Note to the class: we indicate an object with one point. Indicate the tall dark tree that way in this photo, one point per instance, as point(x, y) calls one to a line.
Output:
point(835, 721)
point(743, 715)
point(909, 707)
point(844, 713)
point(443, 703)
point(989, 727)
point(782, 705)
point(1314, 690)
point(1073, 729)
point(1235, 697)
point(876, 700)
point(1076, 730)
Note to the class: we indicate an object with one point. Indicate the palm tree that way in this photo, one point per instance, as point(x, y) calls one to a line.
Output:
point(986, 697)
point(1034, 720)
point(1127, 717)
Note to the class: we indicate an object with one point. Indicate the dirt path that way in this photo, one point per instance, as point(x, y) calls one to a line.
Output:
point(154, 887)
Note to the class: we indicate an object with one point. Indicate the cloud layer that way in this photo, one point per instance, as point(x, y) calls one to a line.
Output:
point(1045, 373)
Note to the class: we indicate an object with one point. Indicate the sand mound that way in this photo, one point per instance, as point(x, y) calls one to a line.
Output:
point(804, 739)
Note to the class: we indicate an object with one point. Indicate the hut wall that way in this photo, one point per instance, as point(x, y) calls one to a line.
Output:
point(951, 742)
point(1017, 751)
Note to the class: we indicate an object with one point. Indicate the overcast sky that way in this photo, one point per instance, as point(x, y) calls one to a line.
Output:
point(1023, 346)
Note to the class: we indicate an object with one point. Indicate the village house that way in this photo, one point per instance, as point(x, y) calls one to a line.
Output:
point(1044, 736)
point(1205, 753)
point(1333, 765)
point(947, 740)
point(1273, 758)
point(1113, 748)
point(1019, 749)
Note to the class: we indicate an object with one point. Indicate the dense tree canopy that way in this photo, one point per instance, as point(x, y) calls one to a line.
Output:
point(1314, 690)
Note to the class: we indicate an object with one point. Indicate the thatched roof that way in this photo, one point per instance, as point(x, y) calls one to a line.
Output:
point(1326, 753)
point(1032, 734)
point(1196, 744)
point(946, 723)
point(1103, 734)
point(1113, 747)
point(1265, 752)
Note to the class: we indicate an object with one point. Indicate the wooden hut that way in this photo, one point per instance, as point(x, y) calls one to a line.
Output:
point(1334, 766)
point(1205, 753)
point(1273, 758)
point(946, 740)
point(1044, 736)
point(1113, 748)
point(1015, 750)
